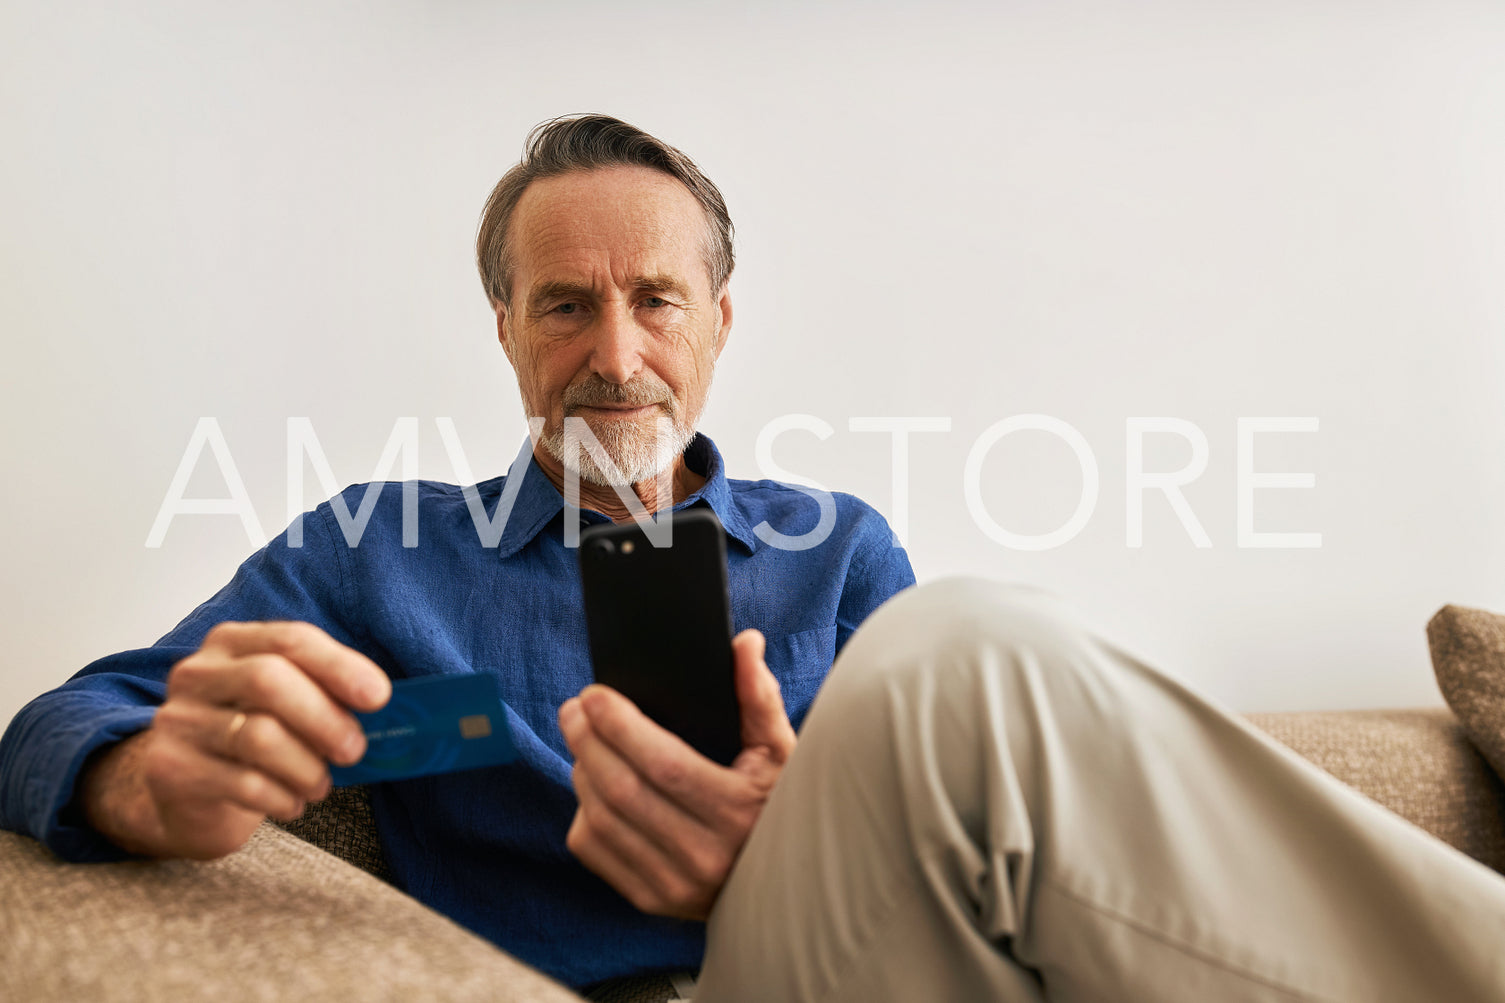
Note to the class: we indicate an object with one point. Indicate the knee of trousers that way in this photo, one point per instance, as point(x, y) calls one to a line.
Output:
point(965, 697)
point(960, 626)
point(960, 658)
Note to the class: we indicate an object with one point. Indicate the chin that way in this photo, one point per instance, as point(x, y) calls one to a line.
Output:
point(638, 454)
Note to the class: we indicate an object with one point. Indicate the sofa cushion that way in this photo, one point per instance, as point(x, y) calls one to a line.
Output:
point(1468, 655)
point(276, 920)
point(1418, 763)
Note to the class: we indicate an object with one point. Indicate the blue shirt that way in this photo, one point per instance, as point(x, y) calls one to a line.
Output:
point(485, 846)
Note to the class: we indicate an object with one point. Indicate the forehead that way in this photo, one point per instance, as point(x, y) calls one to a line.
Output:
point(612, 222)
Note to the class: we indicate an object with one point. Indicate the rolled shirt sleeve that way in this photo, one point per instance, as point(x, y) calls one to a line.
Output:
point(50, 740)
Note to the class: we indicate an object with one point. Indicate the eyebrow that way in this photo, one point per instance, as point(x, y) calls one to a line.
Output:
point(546, 292)
point(660, 284)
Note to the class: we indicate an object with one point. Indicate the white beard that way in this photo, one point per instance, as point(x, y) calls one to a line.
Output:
point(631, 454)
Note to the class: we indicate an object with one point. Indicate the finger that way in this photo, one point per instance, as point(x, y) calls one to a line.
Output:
point(265, 744)
point(573, 724)
point(637, 866)
point(185, 773)
point(252, 739)
point(765, 722)
point(271, 684)
point(659, 756)
point(600, 858)
point(348, 676)
point(632, 799)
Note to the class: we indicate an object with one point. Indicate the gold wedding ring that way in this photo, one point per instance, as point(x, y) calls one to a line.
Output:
point(236, 724)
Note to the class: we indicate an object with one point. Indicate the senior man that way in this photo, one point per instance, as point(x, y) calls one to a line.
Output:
point(606, 256)
point(987, 800)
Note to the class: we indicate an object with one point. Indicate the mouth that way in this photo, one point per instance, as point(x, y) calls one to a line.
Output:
point(615, 410)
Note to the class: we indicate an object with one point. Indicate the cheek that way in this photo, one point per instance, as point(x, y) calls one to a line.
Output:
point(702, 362)
point(536, 368)
point(688, 368)
point(544, 371)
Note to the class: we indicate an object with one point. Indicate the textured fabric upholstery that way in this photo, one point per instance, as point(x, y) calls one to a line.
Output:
point(277, 920)
point(1417, 763)
point(343, 824)
point(645, 989)
point(1468, 656)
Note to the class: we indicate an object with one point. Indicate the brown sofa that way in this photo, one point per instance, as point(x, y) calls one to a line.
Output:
point(287, 916)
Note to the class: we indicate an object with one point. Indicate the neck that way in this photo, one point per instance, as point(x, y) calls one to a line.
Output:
point(683, 482)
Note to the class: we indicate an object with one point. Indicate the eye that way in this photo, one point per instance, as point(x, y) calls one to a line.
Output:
point(567, 308)
point(655, 302)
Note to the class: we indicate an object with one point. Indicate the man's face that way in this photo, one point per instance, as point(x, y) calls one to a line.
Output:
point(612, 318)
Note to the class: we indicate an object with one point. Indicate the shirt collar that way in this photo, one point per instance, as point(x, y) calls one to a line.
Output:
point(537, 501)
point(705, 459)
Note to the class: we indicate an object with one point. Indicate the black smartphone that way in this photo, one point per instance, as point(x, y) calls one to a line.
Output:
point(660, 626)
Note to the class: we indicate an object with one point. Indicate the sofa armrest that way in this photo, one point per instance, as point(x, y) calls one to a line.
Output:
point(1418, 763)
point(278, 919)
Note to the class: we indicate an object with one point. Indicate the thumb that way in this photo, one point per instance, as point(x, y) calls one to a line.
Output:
point(765, 723)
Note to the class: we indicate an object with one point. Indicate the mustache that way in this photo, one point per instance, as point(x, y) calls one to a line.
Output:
point(595, 392)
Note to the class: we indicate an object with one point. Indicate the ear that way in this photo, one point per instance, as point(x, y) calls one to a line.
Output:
point(502, 332)
point(724, 309)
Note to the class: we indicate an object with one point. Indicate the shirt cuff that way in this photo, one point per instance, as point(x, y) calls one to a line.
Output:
point(54, 810)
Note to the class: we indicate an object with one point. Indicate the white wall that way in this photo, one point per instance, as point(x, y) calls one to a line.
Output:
point(1196, 210)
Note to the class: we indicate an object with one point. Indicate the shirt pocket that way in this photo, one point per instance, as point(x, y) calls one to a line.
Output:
point(800, 662)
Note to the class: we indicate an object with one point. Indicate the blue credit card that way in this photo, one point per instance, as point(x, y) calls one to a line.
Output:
point(432, 724)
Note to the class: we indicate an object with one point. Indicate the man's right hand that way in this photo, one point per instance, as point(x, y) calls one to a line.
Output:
point(250, 723)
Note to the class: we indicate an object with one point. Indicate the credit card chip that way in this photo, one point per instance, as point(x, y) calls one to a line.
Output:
point(475, 726)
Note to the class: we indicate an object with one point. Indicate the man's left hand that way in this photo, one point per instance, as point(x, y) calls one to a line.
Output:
point(657, 820)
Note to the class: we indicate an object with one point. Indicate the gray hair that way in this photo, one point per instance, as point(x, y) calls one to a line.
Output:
point(585, 143)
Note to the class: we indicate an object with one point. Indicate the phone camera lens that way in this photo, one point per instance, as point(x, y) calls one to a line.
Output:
point(603, 547)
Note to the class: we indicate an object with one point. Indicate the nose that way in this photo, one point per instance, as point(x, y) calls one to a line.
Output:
point(617, 351)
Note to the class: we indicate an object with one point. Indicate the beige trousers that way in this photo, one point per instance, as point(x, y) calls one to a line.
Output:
point(989, 802)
